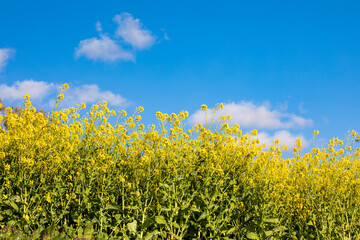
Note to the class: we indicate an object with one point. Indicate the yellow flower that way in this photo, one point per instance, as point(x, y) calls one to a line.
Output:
point(48, 197)
point(26, 217)
point(61, 96)
point(121, 179)
point(95, 107)
point(2, 155)
point(137, 193)
point(65, 86)
point(7, 167)
point(26, 98)
point(27, 104)
point(204, 107)
point(140, 109)
point(298, 143)
point(316, 132)
point(254, 132)
point(73, 196)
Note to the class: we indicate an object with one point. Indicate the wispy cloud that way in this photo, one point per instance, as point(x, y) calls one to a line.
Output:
point(37, 90)
point(301, 108)
point(132, 31)
point(5, 55)
point(130, 37)
point(104, 49)
point(166, 37)
point(249, 115)
point(98, 26)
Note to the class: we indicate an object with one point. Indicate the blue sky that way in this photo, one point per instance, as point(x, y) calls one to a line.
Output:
point(285, 68)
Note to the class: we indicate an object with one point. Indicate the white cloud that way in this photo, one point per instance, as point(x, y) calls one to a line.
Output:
point(44, 94)
point(36, 89)
point(98, 26)
point(104, 49)
point(282, 106)
point(5, 54)
point(166, 37)
point(91, 94)
point(301, 108)
point(284, 136)
point(248, 115)
point(132, 31)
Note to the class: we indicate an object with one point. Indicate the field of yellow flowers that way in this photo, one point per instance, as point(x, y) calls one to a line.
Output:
point(62, 177)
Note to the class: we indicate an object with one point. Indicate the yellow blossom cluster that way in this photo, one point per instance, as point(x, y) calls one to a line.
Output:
point(63, 170)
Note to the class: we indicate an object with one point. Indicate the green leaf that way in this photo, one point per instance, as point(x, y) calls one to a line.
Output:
point(194, 209)
point(80, 231)
point(211, 206)
point(88, 232)
point(231, 230)
point(164, 185)
point(146, 223)
point(132, 226)
point(175, 225)
point(14, 206)
point(271, 220)
point(16, 198)
point(160, 220)
point(202, 216)
point(252, 235)
point(275, 230)
point(281, 229)
point(152, 235)
point(110, 206)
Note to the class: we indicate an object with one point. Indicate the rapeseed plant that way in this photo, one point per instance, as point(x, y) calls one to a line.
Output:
point(91, 179)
